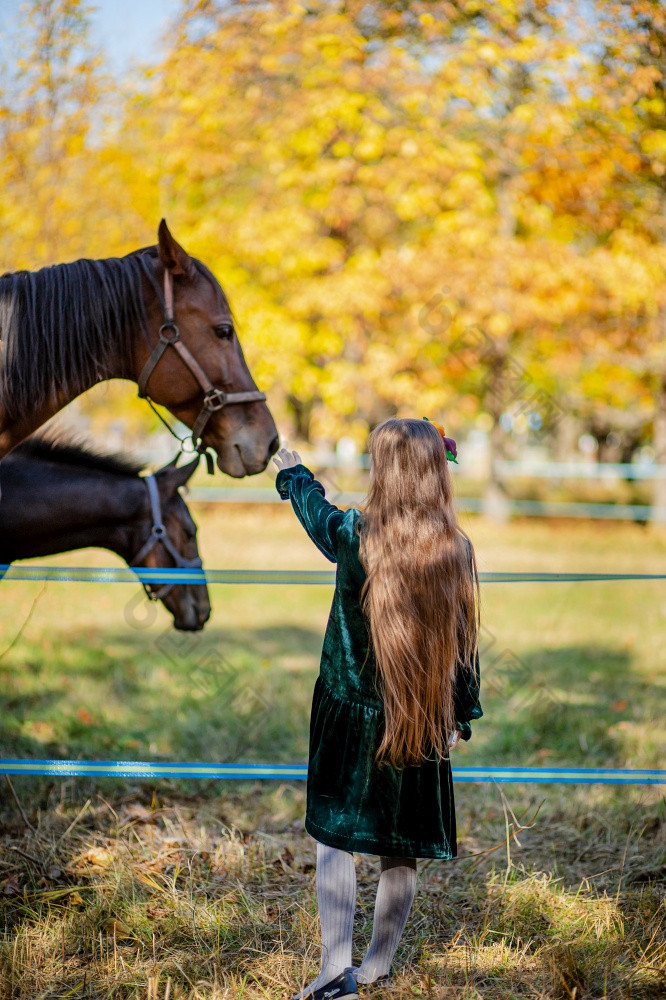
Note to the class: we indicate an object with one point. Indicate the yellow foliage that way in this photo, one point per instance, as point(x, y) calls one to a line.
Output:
point(339, 166)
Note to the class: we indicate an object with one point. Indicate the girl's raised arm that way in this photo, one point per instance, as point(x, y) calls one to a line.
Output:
point(320, 518)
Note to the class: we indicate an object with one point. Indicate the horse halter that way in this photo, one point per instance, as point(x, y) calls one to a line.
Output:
point(213, 399)
point(159, 535)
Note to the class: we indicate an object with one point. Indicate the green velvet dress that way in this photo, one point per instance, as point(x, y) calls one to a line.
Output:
point(352, 803)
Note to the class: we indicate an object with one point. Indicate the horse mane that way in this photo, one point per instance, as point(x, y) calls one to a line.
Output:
point(72, 451)
point(63, 326)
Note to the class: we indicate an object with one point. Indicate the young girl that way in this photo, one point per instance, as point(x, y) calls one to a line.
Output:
point(398, 685)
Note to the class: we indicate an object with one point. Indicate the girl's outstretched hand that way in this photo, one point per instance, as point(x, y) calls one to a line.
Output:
point(287, 459)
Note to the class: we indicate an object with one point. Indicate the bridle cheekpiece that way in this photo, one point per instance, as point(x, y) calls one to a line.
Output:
point(213, 399)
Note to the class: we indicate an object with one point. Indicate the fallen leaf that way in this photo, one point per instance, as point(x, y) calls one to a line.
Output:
point(40, 730)
point(117, 927)
point(137, 812)
point(98, 857)
point(10, 886)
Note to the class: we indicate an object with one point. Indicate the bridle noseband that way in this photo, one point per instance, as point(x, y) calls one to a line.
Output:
point(159, 535)
point(213, 399)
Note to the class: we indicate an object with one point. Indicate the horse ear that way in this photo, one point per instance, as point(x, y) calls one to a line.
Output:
point(172, 255)
point(176, 477)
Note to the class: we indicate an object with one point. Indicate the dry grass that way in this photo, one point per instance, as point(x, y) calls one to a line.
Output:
point(149, 895)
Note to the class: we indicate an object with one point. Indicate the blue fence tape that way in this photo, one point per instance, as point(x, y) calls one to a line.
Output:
point(202, 770)
point(122, 574)
point(298, 772)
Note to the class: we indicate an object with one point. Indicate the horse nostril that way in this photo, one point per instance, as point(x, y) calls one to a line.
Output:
point(273, 446)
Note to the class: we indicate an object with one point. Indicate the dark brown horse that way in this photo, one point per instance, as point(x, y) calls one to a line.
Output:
point(57, 497)
point(157, 317)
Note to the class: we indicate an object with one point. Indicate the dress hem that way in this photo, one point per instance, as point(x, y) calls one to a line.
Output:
point(367, 845)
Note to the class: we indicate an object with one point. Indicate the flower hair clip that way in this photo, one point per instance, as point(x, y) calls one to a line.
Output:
point(451, 450)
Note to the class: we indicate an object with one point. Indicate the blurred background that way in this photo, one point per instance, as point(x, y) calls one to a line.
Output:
point(452, 209)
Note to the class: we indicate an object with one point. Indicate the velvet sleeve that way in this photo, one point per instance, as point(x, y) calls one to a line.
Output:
point(320, 518)
point(467, 687)
point(466, 698)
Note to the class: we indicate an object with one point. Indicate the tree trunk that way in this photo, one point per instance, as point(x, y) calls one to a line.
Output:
point(659, 439)
point(302, 416)
point(496, 503)
point(566, 437)
point(659, 432)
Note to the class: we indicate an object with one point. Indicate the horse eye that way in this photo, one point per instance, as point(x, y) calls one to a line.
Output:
point(224, 331)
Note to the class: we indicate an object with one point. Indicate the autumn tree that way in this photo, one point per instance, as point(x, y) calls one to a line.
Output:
point(354, 157)
point(633, 70)
point(424, 207)
point(49, 112)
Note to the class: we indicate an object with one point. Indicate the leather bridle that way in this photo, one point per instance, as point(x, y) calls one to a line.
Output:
point(213, 399)
point(159, 535)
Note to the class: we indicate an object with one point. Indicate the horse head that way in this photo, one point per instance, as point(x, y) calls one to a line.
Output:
point(173, 545)
point(200, 324)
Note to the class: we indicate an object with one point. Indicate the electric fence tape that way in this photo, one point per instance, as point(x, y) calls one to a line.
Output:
point(123, 574)
point(290, 772)
point(298, 772)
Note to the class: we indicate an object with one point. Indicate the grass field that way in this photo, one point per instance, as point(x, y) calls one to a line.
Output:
point(206, 890)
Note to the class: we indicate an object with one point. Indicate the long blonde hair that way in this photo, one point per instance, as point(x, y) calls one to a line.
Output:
point(421, 596)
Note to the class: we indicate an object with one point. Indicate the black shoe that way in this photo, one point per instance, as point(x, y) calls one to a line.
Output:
point(343, 987)
point(383, 981)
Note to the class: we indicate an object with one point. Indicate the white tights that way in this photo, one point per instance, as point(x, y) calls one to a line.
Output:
point(336, 896)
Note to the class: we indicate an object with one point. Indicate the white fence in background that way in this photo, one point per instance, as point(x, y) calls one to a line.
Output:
point(610, 471)
point(474, 505)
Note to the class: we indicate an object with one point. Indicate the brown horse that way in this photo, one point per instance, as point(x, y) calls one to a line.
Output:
point(59, 496)
point(157, 317)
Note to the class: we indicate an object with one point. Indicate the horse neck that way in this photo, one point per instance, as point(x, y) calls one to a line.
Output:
point(68, 509)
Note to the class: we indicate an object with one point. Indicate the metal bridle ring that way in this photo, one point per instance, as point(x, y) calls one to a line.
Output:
point(169, 325)
point(191, 448)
